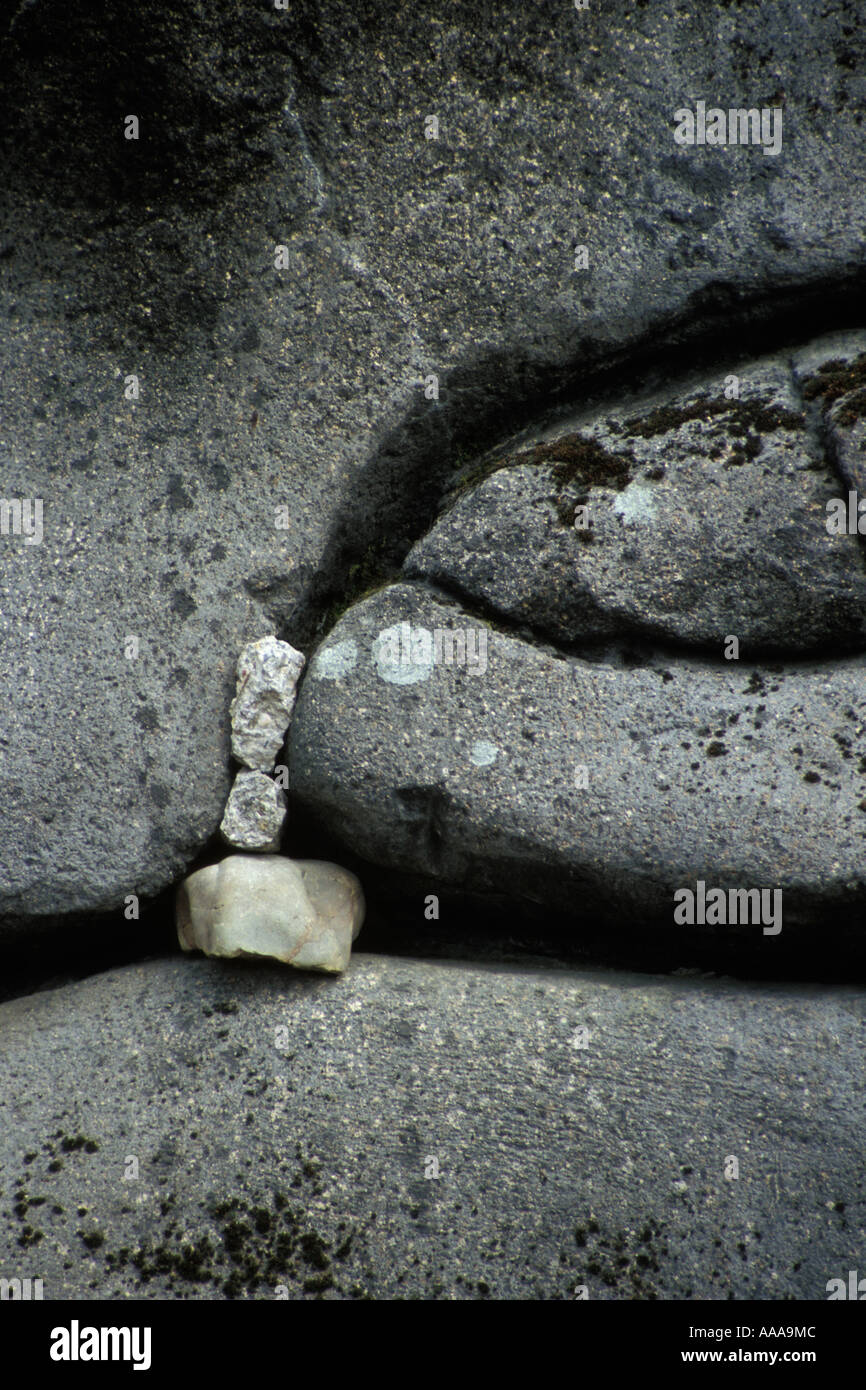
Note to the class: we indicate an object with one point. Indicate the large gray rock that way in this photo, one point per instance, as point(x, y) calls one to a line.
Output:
point(694, 516)
point(493, 765)
point(187, 1129)
point(281, 439)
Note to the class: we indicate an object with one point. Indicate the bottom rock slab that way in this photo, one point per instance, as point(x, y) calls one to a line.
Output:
point(183, 1129)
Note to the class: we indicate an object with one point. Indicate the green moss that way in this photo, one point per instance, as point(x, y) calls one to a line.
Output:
point(853, 409)
point(315, 1250)
point(253, 1245)
point(74, 1144)
point(576, 458)
point(235, 1237)
point(193, 1261)
point(835, 379)
point(318, 1282)
point(262, 1220)
point(744, 417)
point(623, 1260)
point(92, 1239)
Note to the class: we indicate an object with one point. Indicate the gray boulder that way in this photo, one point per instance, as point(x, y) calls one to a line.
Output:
point(695, 516)
point(300, 240)
point(599, 787)
point(189, 1129)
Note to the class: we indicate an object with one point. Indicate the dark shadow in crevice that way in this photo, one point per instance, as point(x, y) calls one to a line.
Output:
point(475, 931)
point(52, 951)
point(507, 928)
point(635, 644)
point(492, 927)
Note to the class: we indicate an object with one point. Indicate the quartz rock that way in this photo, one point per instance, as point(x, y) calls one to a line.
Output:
point(304, 912)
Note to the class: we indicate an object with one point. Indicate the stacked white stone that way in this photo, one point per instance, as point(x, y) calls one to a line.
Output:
point(303, 912)
point(268, 673)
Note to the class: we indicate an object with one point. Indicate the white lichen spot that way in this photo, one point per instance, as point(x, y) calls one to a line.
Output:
point(403, 654)
point(483, 753)
point(636, 503)
point(332, 663)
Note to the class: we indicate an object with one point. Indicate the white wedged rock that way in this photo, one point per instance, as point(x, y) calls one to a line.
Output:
point(304, 912)
point(267, 677)
point(254, 814)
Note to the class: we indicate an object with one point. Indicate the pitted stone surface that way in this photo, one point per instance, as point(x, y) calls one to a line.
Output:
point(693, 516)
point(268, 672)
point(431, 1130)
point(597, 786)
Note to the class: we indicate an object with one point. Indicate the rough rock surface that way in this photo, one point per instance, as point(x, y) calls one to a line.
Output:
point(301, 386)
point(285, 1130)
point(693, 516)
point(255, 813)
point(598, 784)
point(268, 672)
point(302, 912)
point(832, 374)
